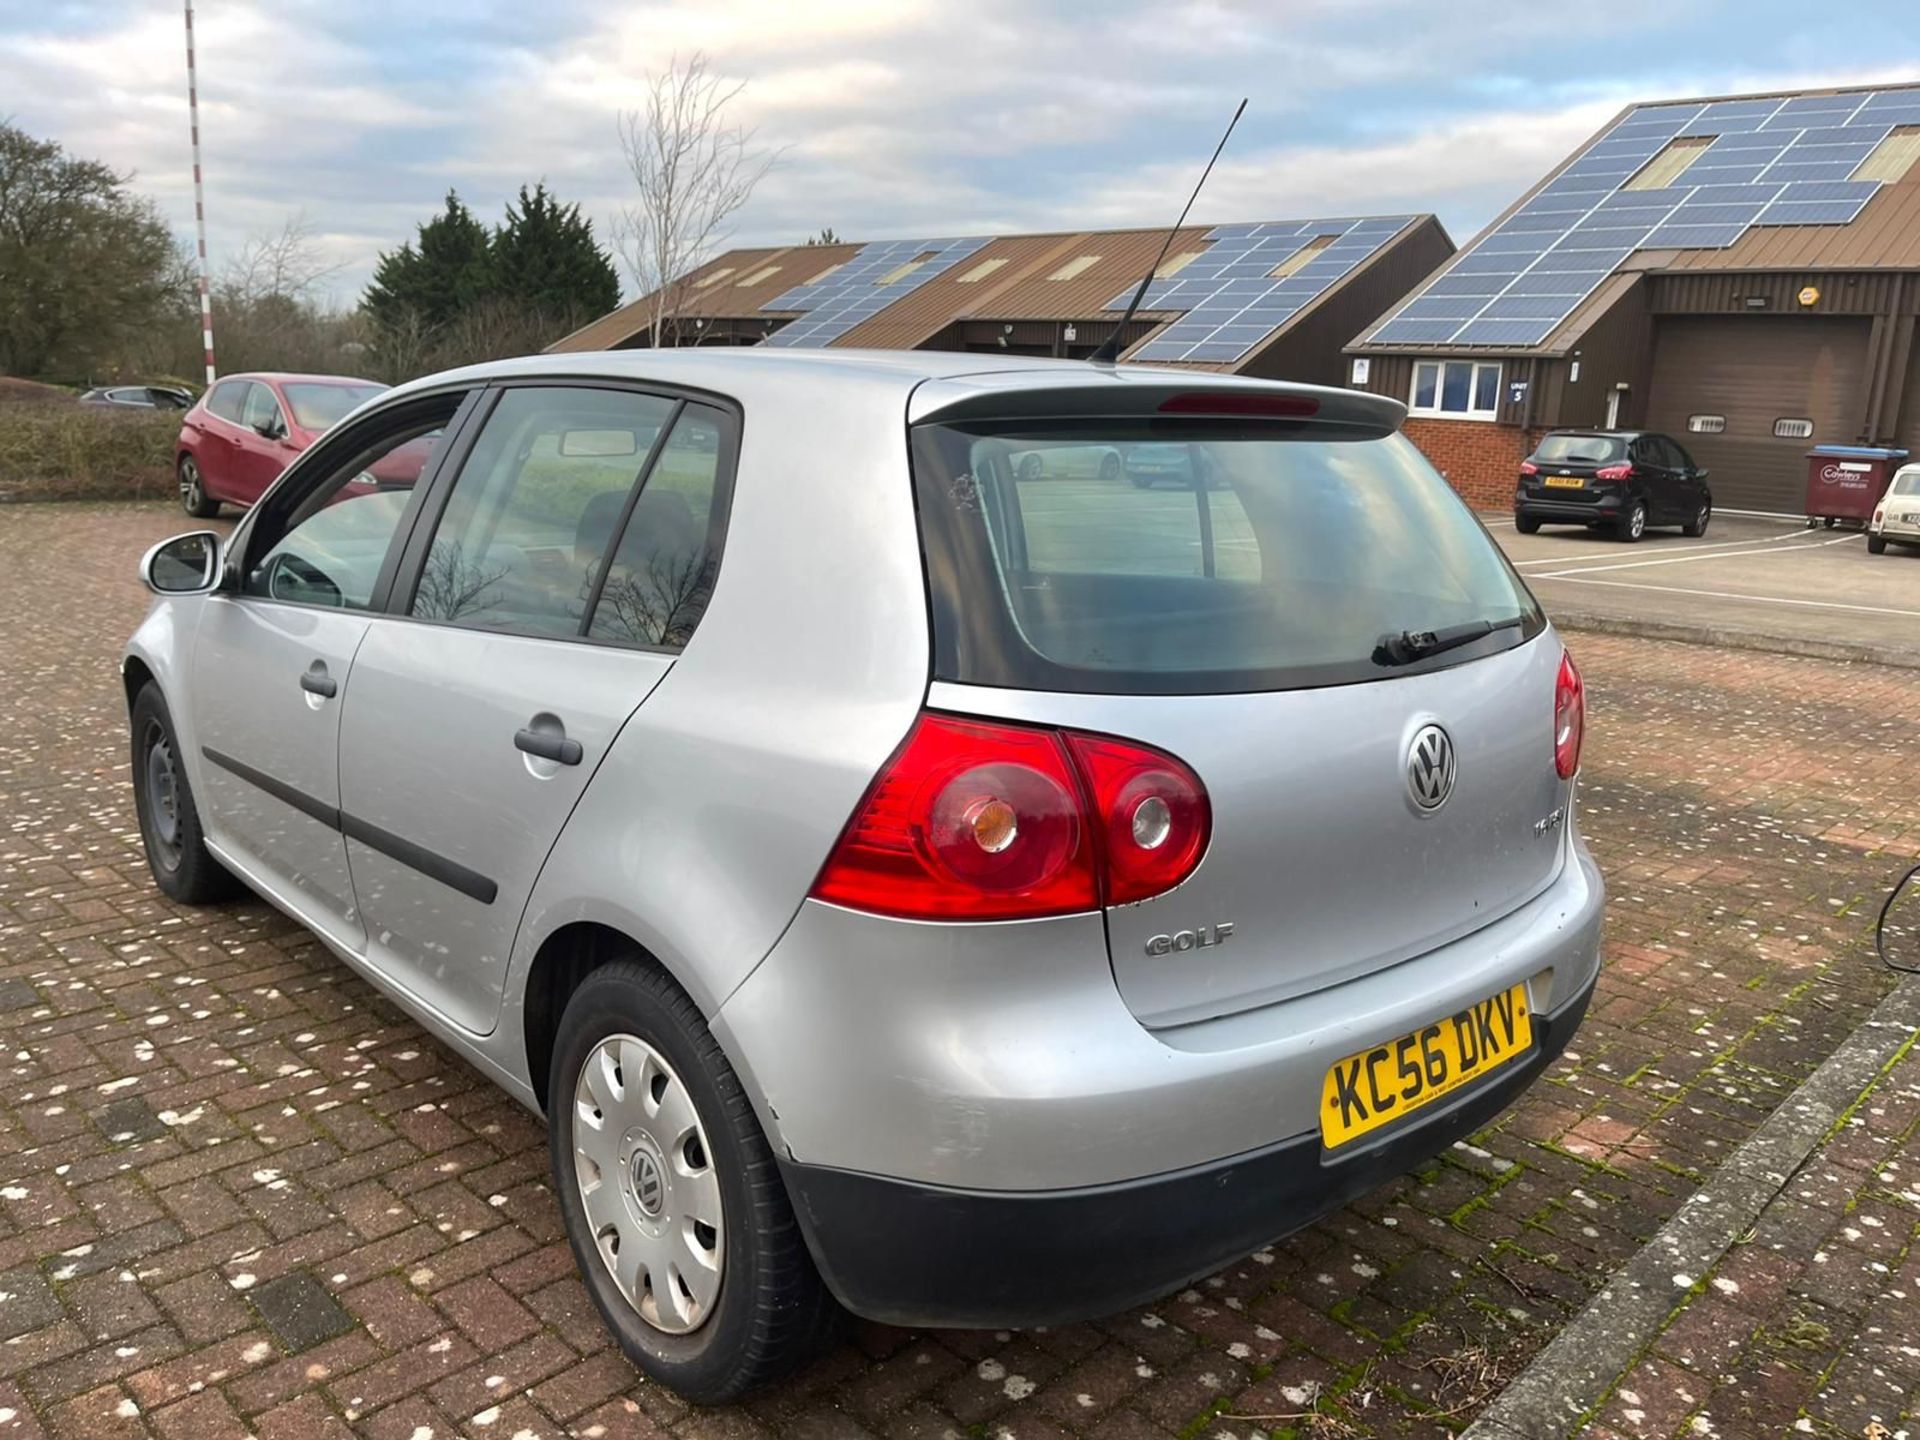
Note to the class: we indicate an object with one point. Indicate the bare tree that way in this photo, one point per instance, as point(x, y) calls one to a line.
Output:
point(283, 263)
point(692, 170)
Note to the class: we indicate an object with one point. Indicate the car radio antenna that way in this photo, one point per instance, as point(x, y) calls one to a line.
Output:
point(1109, 350)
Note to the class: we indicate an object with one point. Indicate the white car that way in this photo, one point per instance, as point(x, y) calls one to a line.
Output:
point(1896, 519)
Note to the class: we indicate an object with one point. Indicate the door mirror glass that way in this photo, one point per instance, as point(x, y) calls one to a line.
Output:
point(185, 565)
point(1898, 932)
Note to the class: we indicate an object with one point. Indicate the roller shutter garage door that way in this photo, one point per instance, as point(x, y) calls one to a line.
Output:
point(1753, 370)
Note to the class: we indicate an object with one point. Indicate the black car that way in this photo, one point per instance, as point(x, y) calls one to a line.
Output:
point(1620, 481)
point(139, 397)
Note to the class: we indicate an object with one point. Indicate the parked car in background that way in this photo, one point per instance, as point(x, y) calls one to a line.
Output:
point(247, 428)
point(1896, 519)
point(1619, 481)
point(980, 902)
point(139, 397)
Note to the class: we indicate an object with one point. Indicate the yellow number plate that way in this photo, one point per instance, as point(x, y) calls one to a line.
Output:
point(1566, 482)
point(1378, 1086)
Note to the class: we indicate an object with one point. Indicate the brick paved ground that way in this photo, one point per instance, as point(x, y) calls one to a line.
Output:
point(240, 1193)
point(1811, 1325)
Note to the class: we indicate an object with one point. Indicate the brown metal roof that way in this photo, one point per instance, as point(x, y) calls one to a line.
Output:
point(1884, 235)
point(725, 298)
point(1019, 290)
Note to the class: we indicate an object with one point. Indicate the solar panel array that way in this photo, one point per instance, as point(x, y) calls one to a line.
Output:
point(1229, 298)
point(1778, 161)
point(858, 289)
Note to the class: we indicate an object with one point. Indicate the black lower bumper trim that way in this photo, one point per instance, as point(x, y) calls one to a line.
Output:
point(925, 1255)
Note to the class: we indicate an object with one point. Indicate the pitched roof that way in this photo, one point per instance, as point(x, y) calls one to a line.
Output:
point(1771, 188)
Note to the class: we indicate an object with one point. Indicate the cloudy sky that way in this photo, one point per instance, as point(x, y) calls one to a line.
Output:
point(895, 118)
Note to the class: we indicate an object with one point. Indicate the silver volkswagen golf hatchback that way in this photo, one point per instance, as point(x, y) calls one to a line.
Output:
point(906, 878)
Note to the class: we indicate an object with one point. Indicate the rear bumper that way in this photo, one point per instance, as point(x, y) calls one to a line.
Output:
point(1605, 507)
point(916, 1255)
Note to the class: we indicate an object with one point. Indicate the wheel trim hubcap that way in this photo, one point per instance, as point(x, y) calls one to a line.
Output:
point(1638, 522)
point(647, 1184)
point(163, 796)
point(190, 483)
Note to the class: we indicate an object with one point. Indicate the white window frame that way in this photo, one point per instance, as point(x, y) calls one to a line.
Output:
point(1439, 365)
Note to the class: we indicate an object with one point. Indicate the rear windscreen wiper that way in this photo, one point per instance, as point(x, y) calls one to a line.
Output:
point(1411, 645)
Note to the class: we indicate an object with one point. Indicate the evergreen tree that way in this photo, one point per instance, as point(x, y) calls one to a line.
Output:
point(428, 284)
point(545, 257)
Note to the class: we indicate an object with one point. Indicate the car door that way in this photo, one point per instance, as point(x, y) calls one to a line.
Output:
point(1656, 479)
point(273, 656)
point(261, 451)
point(481, 708)
point(1690, 485)
point(218, 435)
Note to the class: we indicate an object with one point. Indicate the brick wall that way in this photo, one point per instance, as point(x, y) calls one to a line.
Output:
point(1480, 459)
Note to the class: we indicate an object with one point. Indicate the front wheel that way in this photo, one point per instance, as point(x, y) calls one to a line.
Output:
point(1109, 466)
point(1876, 544)
point(1633, 523)
point(193, 490)
point(176, 846)
point(1526, 524)
point(673, 1204)
point(1697, 526)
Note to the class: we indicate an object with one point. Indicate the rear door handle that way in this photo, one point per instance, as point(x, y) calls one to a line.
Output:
point(548, 746)
point(316, 681)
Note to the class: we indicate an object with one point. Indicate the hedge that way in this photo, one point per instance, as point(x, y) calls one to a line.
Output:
point(66, 451)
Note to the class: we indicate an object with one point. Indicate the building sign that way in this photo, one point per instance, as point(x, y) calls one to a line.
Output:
point(1810, 295)
point(1516, 392)
point(1362, 367)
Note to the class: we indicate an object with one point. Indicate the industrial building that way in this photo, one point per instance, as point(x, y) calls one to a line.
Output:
point(1274, 298)
point(1741, 272)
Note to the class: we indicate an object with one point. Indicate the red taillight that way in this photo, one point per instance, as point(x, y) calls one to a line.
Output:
point(1613, 472)
point(1569, 718)
point(1527, 467)
point(973, 820)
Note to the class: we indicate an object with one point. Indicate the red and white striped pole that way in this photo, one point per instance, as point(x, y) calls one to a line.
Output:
point(199, 200)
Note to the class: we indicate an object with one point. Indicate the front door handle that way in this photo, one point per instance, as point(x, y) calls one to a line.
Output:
point(548, 745)
point(316, 681)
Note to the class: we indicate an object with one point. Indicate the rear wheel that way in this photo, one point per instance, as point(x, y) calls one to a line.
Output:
point(176, 846)
point(1030, 467)
point(1876, 544)
point(1526, 524)
point(1110, 466)
point(1632, 523)
point(1697, 526)
point(674, 1207)
point(193, 490)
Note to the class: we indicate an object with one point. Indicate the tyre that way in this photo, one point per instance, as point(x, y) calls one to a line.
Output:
point(1632, 523)
point(193, 491)
point(176, 846)
point(1110, 466)
point(1030, 467)
point(1876, 544)
point(674, 1207)
point(1526, 524)
point(1697, 526)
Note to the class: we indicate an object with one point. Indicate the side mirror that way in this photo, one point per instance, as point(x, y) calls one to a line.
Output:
point(270, 429)
point(1896, 935)
point(185, 565)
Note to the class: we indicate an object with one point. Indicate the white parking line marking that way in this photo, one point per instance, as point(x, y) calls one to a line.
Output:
point(1682, 549)
point(1685, 559)
point(1736, 595)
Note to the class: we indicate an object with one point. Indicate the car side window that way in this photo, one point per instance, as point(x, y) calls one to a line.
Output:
point(662, 572)
point(229, 397)
point(1677, 455)
point(532, 514)
point(330, 548)
point(262, 412)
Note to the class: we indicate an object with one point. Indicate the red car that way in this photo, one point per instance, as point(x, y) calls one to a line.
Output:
point(247, 429)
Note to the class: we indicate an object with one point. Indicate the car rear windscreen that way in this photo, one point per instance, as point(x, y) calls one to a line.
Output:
point(1177, 557)
point(1581, 449)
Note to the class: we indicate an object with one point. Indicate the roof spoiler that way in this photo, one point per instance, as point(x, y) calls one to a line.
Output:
point(1143, 393)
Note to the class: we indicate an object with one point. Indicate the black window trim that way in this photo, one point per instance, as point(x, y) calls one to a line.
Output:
point(326, 460)
point(426, 518)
